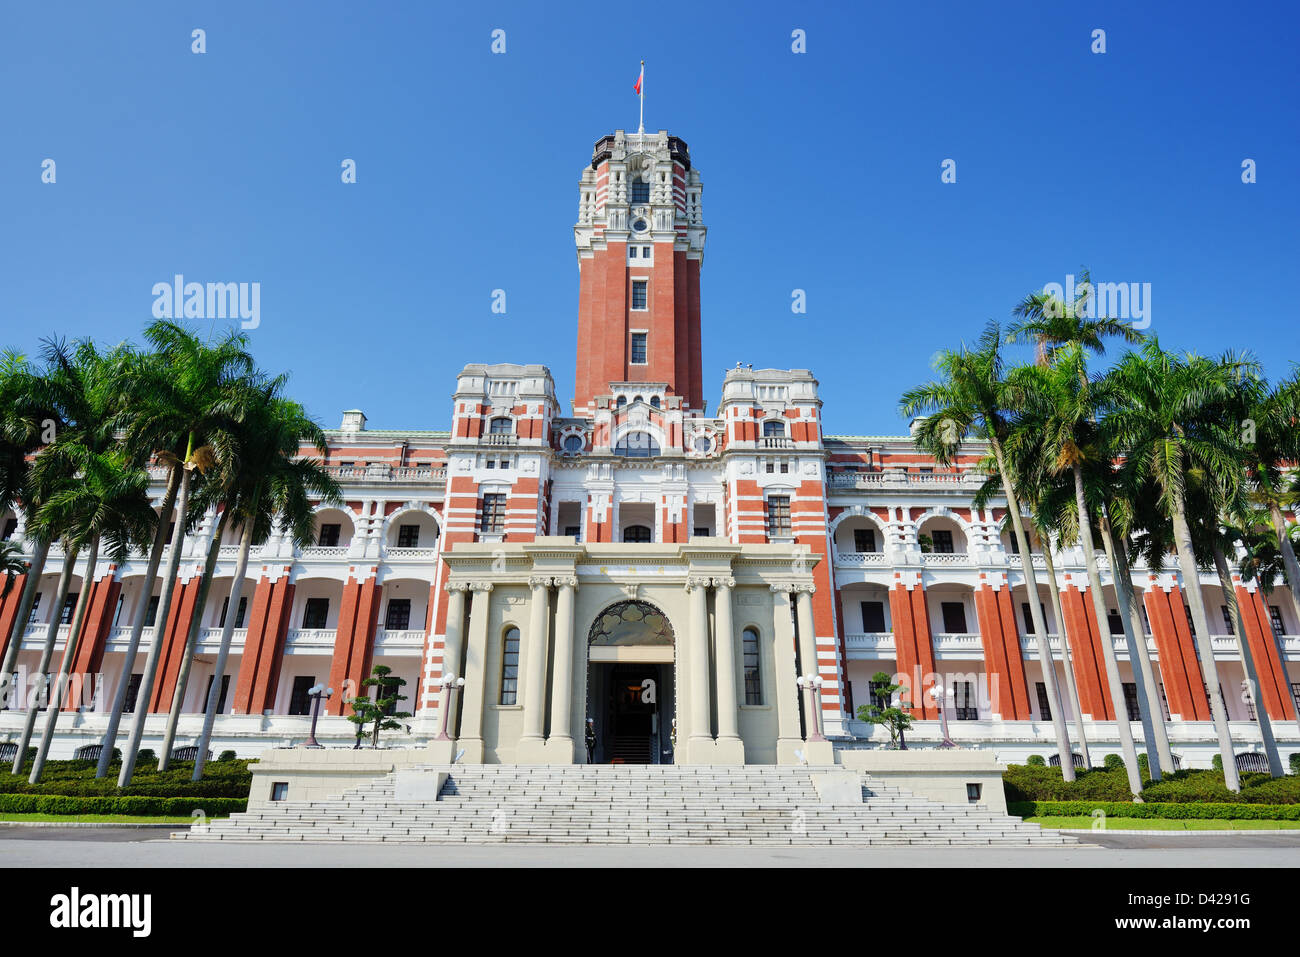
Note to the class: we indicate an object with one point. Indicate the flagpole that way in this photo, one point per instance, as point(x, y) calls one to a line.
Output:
point(641, 97)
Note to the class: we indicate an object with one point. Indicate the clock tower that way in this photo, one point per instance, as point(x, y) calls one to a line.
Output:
point(640, 239)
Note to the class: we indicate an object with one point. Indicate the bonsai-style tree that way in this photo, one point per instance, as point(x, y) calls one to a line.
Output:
point(378, 711)
point(881, 711)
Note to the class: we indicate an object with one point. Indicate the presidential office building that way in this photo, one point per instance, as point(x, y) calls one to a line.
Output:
point(659, 570)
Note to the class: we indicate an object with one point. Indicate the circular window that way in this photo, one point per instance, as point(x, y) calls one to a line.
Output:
point(640, 225)
point(573, 443)
point(703, 443)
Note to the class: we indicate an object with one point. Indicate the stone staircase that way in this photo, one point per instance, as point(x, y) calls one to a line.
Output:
point(627, 804)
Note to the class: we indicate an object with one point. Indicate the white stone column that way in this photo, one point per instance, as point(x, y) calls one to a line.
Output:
point(788, 739)
point(807, 645)
point(816, 752)
point(699, 747)
point(730, 748)
point(559, 746)
point(451, 643)
point(532, 743)
point(471, 720)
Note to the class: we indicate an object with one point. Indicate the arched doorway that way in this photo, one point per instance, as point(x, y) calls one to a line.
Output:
point(631, 700)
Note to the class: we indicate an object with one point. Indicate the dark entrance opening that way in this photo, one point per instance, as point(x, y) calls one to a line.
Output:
point(632, 713)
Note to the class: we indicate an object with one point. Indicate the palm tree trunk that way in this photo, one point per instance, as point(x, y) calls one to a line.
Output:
point(227, 631)
point(1248, 659)
point(1204, 647)
point(26, 601)
point(160, 628)
point(55, 705)
point(1036, 615)
point(1071, 688)
point(1122, 724)
point(137, 627)
point(1159, 757)
point(51, 635)
point(191, 645)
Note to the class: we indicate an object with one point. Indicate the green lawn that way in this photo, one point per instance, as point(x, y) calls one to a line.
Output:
point(1159, 824)
point(96, 818)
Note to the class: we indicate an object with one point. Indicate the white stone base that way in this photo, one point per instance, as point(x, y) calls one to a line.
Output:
point(934, 773)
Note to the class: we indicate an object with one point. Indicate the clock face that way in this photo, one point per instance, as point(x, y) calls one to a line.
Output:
point(573, 443)
point(640, 225)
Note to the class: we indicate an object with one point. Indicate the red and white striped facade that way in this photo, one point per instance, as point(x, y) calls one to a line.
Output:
point(857, 551)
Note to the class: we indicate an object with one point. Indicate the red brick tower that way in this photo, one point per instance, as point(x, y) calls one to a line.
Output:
point(640, 239)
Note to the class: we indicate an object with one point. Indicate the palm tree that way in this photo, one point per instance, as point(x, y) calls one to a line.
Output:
point(217, 494)
point(74, 390)
point(1038, 492)
point(1062, 403)
point(1270, 449)
point(178, 399)
point(1168, 424)
point(267, 485)
point(971, 400)
point(24, 421)
point(107, 504)
point(1060, 329)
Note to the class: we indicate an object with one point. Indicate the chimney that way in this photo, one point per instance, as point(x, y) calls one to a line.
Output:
point(354, 420)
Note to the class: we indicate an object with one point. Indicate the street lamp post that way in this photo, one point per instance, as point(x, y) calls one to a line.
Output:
point(938, 693)
point(449, 683)
point(316, 693)
point(813, 685)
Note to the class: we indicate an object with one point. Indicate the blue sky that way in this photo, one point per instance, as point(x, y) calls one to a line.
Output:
point(821, 172)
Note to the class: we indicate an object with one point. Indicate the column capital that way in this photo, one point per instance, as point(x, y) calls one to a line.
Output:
point(727, 582)
point(540, 581)
point(566, 581)
point(698, 581)
point(481, 586)
point(459, 586)
point(787, 587)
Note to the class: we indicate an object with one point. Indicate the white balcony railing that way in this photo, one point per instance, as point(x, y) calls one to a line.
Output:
point(860, 558)
point(957, 559)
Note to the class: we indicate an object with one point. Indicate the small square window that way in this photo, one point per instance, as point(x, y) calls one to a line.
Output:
point(631, 252)
point(408, 536)
point(280, 791)
point(328, 537)
point(646, 252)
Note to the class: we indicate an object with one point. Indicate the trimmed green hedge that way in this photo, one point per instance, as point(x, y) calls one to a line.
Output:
point(1165, 811)
point(1027, 783)
point(221, 779)
point(142, 806)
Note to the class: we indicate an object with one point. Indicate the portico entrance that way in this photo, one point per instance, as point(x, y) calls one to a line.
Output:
point(630, 685)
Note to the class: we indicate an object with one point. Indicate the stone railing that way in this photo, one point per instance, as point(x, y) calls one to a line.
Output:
point(958, 559)
point(861, 558)
point(389, 473)
point(881, 642)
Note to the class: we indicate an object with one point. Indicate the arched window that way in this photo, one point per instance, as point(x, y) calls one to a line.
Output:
point(622, 401)
point(773, 430)
point(753, 669)
point(636, 399)
point(654, 401)
point(637, 445)
point(510, 667)
point(501, 426)
point(639, 534)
